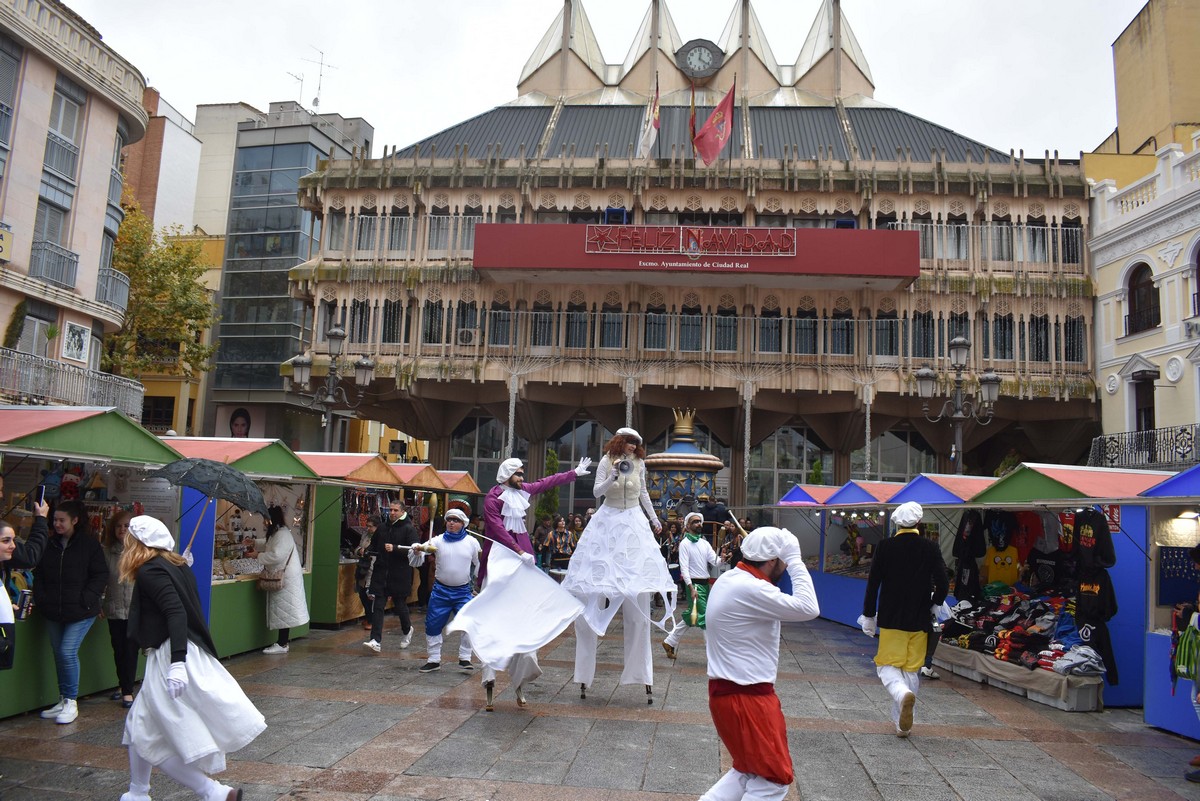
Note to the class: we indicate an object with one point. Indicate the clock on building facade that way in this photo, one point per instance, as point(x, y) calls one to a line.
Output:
point(699, 59)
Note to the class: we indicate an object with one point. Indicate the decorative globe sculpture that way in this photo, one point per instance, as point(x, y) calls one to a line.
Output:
point(682, 469)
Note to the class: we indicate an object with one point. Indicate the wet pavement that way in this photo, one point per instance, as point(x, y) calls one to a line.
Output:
point(346, 724)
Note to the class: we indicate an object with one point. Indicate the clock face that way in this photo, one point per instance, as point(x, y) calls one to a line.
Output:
point(699, 58)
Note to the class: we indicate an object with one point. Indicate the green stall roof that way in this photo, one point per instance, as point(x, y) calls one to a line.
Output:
point(80, 433)
point(1031, 482)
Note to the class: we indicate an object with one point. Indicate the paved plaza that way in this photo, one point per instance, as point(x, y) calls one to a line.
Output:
point(349, 725)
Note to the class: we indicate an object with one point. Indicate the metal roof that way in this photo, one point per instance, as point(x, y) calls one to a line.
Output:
point(673, 129)
point(509, 126)
point(889, 129)
point(775, 130)
point(590, 128)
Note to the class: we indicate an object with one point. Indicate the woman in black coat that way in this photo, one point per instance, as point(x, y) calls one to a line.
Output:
point(67, 588)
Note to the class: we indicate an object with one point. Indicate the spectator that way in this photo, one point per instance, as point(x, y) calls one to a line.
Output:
point(286, 607)
point(366, 566)
point(561, 545)
point(392, 577)
point(14, 553)
point(540, 537)
point(116, 607)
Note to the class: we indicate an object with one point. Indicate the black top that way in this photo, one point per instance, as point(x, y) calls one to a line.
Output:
point(393, 573)
point(71, 577)
point(166, 606)
point(907, 577)
point(29, 553)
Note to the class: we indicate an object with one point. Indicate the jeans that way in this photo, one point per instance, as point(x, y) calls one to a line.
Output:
point(65, 639)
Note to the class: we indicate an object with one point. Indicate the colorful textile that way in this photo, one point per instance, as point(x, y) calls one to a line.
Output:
point(750, 724)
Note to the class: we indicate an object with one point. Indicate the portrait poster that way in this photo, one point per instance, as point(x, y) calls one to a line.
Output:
point(75, 342)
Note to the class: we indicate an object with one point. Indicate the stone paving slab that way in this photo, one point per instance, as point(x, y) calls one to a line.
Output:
point(346, 724)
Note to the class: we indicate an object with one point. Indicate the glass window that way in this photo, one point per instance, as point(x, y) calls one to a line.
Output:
point(440, 229)
point(1002, 336)
point(770, 332)
point(958, 240)
point(50, 224)
point(691, 329)
point(841, 333)
point(64, 117)
point(434, 322)
point(1039, 338)
point(1075, 347)
point(577, 327)
point(887, 334)
point(656, 328)
point(367, 225)
point(1001, 241)
point(253, 158)
point(286, 182)
point(398, 231)
point(923, 336)
point(360, 321)
point(1072, 243)
point(1037, 242)
point(541, 334)
point(500, 325)
point(1144, 312)
point(393, 316)
point(805, 331)
point(612, 327)
point(726, 331)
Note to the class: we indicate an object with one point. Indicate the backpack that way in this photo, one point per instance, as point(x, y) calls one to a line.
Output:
point(1185, 645)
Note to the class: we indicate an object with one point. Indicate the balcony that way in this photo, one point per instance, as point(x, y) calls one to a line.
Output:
point(53, 264)
point(61, 156)
point(1171, 448)
point(1038, 248)
point(115, 184)
point(36, 381)
point(6, 116)
point(112, 289)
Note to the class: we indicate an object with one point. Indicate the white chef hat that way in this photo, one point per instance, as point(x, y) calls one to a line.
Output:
point(687, 519)
point(764, 543)
point(152, 532)
point(908, 514)
point(629, 432)
point(457, 514)
point(507, 468)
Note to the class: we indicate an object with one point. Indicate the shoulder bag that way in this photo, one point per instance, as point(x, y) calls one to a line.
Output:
point(272, 580)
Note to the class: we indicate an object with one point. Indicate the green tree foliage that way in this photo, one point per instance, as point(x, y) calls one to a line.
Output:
point(169, 306)
point(547, 505)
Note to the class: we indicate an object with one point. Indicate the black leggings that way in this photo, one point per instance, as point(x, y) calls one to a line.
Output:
point(125, 654)
point(284, 636)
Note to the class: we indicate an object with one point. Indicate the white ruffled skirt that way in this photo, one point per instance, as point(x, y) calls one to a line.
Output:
point(616, 558)
point(212, 718)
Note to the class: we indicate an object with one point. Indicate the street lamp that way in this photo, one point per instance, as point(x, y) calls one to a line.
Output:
point(330, 394)
point(957, 407)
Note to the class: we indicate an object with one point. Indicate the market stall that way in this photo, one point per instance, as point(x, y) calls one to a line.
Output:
point(96, 455)
point(219, 534)
point(353, 487)
point(935, 492)
point(800, 512)
point(1172, 530)
point(1077, 538)
point(423, 486)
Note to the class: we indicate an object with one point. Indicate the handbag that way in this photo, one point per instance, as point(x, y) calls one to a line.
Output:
point(272, 580)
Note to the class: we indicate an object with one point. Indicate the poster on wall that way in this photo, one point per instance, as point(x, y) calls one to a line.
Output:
point(75, 342)
point(240, 421)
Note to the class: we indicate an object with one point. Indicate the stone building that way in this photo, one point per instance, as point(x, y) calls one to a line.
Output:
point(525, 280)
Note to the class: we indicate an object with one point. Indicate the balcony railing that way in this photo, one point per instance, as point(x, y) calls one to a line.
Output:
point(1037, 247)
point(115, 183)
point(1171, 448)
point(1142, 320)
point(112, 289)
point(53, 264)
point(36, 380)
point(61, 156)
point(6, 116)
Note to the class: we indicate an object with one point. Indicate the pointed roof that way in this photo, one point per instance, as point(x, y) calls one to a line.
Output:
point(354, 468)
point(939, 488)
point(668, 37)
point(731, 37)
point(583, 43)
point(820, 42)
point(93, 433)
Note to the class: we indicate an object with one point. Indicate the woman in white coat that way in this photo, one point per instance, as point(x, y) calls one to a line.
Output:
point(286, 607)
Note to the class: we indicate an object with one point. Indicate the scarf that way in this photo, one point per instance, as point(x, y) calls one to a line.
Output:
point(515, 502)
point(455, 537)
point(692, 537)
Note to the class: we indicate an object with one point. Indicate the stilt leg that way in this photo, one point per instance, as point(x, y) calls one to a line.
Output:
point(490, 687)
point(583, 691)
point(649, 693)
point(521, 702)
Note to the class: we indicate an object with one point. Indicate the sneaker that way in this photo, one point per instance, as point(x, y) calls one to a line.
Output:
point(275, 648)
point(69, 712)
point(906, 714)
point(670, 649)
point(1195, 763)
point(1193, 776)
point(373, 645)
point(53, 711)
point(429, 667)
point(930, 673)
point(465, 664)
point(407, 638)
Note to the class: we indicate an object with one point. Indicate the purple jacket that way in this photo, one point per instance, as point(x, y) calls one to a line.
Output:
point(493, 517)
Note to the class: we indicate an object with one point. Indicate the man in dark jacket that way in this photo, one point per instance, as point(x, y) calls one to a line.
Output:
point(392, 577)
point(905, 568)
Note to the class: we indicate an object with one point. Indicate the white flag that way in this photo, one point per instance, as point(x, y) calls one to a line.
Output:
point(650, 134)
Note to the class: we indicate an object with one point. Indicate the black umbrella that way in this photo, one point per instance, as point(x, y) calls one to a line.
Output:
point(216, 480)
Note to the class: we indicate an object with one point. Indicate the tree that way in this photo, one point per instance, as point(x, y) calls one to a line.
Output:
point(547, 505)
point(169, 307)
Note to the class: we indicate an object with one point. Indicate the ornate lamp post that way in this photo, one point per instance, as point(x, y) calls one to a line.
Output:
point(329, 395)
point(957, 407)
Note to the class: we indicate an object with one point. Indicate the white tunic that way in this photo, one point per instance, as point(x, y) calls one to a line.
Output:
point(455, 559)
point(743, 618)
point(695, 558)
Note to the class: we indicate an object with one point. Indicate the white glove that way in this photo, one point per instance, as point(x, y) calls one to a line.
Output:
point(526, 557)
point(657, 526)
point(177, 679)
point(868, 625)
point(581, 469)
point(416, 558)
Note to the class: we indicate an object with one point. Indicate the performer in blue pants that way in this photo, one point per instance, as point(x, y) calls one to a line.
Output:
point(457, 556)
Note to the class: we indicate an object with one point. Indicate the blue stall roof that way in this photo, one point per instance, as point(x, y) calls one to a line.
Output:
point(806, 495)
point(870, 492)
point(935, 488)
point(1180, 485)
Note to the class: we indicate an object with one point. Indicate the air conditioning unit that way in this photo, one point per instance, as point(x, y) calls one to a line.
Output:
point(467, 336)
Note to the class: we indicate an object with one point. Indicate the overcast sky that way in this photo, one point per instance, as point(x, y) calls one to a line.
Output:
point(1031, 74)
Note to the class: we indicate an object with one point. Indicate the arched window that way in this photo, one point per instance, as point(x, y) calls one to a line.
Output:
point(841, 332)
point(360, 321)
point(726, 329)
point(887, 333)
point(1144, 312)
point(770, 331)
point(656, 328)
point(500, 325)
point(433, 323)
point(1002, 336)
point(691, 328)
point(541, 334)
point(577, 326)
point(612, 326)
point(1039, 338)
point(923, 335)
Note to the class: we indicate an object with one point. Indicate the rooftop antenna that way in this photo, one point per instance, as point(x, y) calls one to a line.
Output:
point(299, 78)
point(322, 66)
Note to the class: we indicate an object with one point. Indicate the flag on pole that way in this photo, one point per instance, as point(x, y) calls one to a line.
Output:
point(650, 135)
point(692, 121)
point(717, 130)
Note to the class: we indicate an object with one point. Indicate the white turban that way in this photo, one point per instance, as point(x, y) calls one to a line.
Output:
point(458, 514)
point(908, 514)
point(688, 518)
point(764, 543)
point(507, 468)
point(629, 432)
point(151, 532)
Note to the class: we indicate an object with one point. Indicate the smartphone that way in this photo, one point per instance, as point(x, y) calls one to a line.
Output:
point(41, 494)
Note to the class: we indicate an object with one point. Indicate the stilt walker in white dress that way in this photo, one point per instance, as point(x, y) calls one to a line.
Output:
point(190, 711)
point(617, 565)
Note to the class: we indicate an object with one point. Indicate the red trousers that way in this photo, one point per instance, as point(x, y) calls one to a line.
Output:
point(750, 723)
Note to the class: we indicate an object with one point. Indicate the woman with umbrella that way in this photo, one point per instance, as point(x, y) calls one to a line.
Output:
point(287, 606)
point(190, 712)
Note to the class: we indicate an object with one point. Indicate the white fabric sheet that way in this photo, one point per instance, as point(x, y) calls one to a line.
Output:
point(519, 610)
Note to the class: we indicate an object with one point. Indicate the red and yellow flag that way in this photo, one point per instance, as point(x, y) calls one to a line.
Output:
point(717, 130)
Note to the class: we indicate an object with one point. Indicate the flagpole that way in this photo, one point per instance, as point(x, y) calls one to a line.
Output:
point(657, 139)
point(729, 163)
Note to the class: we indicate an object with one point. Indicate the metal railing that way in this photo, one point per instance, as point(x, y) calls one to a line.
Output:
point(1172, 448)
point(1142, 320)
point(1032, 245)
point(53, 264)
point(6, 116)
point(36, 380)
point(112, 288)
point(61, 156)
point(115, 183)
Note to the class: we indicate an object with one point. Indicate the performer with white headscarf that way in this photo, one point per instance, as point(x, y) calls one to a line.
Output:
point(504, 512)
point(617, 565)
point(907, 577)
point(696, 556)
